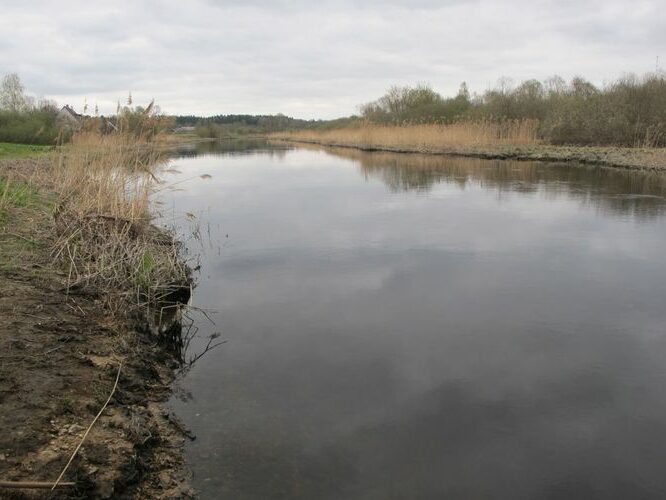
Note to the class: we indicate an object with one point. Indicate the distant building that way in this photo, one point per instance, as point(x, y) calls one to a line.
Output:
point(69, 119)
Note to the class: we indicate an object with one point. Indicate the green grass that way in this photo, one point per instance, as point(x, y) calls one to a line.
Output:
point(15, 194)
point(22, 207)
point(9, 150)
point(145, 269)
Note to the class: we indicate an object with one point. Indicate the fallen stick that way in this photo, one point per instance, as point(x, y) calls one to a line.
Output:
point(33, 484)
point(85, 435)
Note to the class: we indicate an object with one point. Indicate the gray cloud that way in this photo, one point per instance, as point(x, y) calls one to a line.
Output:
point(290, 56)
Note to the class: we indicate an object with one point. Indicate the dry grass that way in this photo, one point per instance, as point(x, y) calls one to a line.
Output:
point(425, 138)
point(103, 222)
point(108, 175)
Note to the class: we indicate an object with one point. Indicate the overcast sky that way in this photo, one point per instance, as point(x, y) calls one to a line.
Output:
point(313, 59)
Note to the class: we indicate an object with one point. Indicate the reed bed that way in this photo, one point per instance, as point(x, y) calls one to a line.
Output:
point(103, 185)
point(425, 138)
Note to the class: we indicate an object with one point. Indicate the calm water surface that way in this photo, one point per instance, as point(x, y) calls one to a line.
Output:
point(413, 327)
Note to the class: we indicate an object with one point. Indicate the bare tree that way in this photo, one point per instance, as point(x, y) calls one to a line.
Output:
point(12, 97)
point(555, 85)
point(47, 105)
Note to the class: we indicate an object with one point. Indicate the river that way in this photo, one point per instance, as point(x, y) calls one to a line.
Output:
point(417, 327)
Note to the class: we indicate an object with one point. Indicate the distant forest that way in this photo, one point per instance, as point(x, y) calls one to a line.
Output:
point(232, 125)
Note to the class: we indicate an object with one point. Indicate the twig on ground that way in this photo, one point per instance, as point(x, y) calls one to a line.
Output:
point(85, 435)
point(33, 484)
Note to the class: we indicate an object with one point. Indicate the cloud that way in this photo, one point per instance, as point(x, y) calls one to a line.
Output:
point(307, 60)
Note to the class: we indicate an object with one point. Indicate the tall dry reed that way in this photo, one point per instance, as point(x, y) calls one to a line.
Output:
point(109, 175)
point(425, 138)
point(103, 185)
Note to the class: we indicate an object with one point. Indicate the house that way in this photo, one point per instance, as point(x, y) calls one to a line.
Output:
point(69, 119)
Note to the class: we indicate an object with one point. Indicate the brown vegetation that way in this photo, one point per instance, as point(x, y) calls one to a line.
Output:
point(424, 137)
point(102, 185)
point(510, 140)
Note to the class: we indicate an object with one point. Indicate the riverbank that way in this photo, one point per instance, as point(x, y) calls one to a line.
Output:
point(432, 139)
point(80, 275)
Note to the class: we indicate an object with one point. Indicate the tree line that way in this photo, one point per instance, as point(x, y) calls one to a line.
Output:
point(630, 111)
point(238, 124)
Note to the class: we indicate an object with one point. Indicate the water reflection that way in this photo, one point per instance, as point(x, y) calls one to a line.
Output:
point(621, 191)
point(230, 147)
point(432, 328)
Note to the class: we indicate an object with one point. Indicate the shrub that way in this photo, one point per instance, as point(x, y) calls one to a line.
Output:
point(28, 127)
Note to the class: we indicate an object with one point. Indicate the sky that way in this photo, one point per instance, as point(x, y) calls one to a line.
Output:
point(313, 59)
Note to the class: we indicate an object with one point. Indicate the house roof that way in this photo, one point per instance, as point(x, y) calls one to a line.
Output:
point(68, 109)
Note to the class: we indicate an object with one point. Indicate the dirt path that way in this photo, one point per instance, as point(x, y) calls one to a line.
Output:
point(59, 355)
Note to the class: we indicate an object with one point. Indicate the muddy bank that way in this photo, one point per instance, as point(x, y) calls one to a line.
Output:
point(60, 351)
point(631, 158)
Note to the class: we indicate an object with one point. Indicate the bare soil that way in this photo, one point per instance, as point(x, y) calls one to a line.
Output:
point(59, 356)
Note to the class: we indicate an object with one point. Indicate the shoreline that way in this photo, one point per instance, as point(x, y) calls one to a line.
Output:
point(61, 351)
point(653, 159)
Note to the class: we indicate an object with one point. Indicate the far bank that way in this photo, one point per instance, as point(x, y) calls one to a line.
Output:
point(516, 141)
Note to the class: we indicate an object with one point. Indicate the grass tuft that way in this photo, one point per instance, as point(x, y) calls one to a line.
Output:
point(15, 194)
